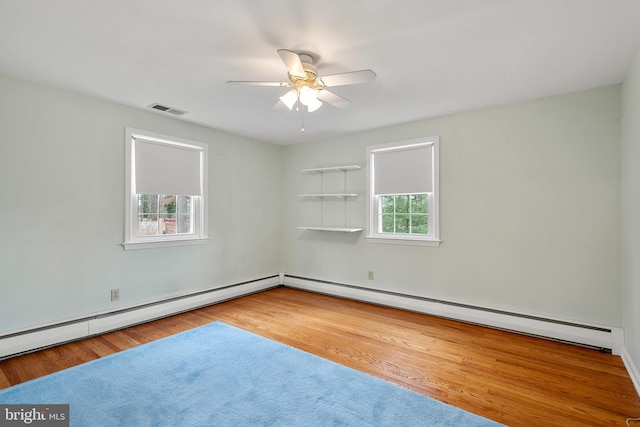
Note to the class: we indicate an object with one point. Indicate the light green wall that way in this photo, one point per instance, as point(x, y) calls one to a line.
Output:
point(530, 210)
point(62, 209)
point(631, 209)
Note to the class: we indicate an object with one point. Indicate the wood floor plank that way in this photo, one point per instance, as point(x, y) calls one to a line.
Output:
point(513, 379)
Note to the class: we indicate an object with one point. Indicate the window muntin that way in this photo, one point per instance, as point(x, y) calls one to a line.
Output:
point(163, 218)
point(403, 192)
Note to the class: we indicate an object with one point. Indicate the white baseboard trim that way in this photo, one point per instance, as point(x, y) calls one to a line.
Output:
point(632, 369)
point(22, 342)
point(49, 335)
point(603, 337)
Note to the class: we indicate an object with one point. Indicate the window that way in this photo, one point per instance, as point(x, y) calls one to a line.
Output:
point(403, 192)
point(166, 181)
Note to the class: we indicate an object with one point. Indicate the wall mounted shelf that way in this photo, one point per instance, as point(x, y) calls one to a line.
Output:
point(322, 195)
point(331, 169)
point(341, 229)
point(329, 195)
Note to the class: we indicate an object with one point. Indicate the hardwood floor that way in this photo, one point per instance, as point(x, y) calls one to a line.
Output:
point(513, 379)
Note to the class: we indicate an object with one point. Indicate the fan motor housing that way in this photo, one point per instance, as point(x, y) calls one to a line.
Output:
point(307, 64)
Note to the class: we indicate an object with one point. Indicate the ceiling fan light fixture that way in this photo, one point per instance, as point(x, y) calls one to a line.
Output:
point(290, 98)
point(313, 106)
point(308, 96)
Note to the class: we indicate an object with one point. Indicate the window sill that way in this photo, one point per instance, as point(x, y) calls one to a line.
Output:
point(148, 244)
point(403, 241)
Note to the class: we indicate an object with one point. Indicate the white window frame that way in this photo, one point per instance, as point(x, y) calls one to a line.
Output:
point(131, 238)
point(373, 200)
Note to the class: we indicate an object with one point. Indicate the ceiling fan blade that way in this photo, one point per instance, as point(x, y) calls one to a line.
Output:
point(333, 99)
point(249, 83)
point(279, 106)
point(292, 62)
point(350, 78)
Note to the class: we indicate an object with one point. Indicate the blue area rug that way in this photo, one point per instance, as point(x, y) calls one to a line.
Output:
point(218, 375)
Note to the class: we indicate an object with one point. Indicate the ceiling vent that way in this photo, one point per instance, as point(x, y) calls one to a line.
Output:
point(166, 109)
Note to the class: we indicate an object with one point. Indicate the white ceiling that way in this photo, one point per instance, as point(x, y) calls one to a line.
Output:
point(432, 57)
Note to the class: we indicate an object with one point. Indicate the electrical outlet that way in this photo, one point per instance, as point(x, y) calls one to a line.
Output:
point(115, 294)
point(370, 275)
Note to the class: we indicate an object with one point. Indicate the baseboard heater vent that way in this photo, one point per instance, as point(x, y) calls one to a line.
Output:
point(32, 339)
point(604, 338)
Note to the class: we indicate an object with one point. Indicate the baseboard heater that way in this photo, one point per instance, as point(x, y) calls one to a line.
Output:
point(31, 339)
point(600, 337)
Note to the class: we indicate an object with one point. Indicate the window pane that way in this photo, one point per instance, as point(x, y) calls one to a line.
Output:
point(419, 224)
point(147, 215)
point(402, 204)
point(184, 224)
point(184, 204)
point(402, 223)
point(147, 203)
point(183, 214)
point(167, 214)
point(167, 224)
point(388, 204)
point(387, 223)
point(168, 205)
point(419, 203)
point(147, 225)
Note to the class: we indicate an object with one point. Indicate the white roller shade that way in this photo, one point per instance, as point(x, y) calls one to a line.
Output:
point(404, 170)
point(162, 168)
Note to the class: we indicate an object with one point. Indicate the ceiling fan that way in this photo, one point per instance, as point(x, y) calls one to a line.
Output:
point(307, 89)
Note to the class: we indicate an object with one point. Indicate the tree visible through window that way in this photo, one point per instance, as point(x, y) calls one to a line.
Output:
point(404, 213)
